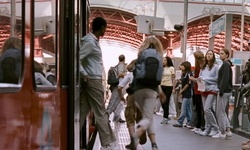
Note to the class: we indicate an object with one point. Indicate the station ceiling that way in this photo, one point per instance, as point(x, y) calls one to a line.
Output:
point(122, 27)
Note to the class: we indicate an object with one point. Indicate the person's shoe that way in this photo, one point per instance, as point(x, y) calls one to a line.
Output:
point(198, 131)
point(177, 125)
point(128, 146)
point(212, 133)
point(203, 133)
point(195, 129)
point(143, 138)
point(164, 121)
point(107, 147)
point(229, 134)
point(219, 136)
point(121, 121)
point(154, 146)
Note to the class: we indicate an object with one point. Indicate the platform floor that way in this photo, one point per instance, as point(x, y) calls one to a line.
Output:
point(172, 138)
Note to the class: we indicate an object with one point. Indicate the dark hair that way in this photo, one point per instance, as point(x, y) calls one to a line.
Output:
point(210, 66)
point(98, 23)
point(169, 62)
point(121, 58)
point(228, 53)
point(187, 66)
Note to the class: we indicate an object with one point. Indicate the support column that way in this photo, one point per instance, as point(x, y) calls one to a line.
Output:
point(228, 32)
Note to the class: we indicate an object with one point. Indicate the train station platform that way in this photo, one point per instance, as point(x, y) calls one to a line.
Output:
point(172, 138)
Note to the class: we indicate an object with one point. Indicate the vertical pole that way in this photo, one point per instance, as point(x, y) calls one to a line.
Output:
point(13, 18)
point(211, 39)
point(184, 43)
point(242, 24)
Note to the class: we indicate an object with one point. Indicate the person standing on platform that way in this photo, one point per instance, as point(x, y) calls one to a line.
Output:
point(225, 86)
point(167, 82)
point(209, 75)
point(92, 95)
point(197, 101)
point(185, 93)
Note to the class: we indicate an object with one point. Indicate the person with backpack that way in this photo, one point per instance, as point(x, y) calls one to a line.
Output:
point(146, 87)
point(115, 104)
point(11, 60)
point(92, 95)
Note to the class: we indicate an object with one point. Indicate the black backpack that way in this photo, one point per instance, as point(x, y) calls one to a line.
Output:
point(113, 76)
point(10, 63)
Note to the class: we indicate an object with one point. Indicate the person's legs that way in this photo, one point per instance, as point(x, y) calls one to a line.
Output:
point(208, 109)
point(144, 100)
point(114, 100)
point(96, 101)
point(183, 113)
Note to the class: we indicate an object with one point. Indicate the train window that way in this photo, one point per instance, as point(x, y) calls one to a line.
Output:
point(45, 45)
point(11, 45)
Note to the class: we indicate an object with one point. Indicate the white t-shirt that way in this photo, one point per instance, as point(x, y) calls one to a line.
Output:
point(125, 82)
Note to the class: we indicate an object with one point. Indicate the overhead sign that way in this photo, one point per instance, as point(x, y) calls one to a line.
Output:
point(217, 26)
point(236, 61)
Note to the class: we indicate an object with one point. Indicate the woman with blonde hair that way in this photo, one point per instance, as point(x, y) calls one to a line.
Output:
point(145, 95)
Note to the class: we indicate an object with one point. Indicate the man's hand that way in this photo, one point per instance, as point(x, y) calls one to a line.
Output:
point(86, 78)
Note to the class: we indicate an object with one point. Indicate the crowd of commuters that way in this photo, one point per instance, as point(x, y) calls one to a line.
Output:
point(208, 117)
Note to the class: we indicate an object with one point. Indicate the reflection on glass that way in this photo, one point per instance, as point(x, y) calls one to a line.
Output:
point(45, 42)
point(10, 42)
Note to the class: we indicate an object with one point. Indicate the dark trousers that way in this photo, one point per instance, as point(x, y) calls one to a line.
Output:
point(165, 106)
point(198, 106)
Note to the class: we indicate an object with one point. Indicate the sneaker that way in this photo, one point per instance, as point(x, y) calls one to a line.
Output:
point(203, 133)
point(219, 136)
point(212, 133)
point(154, 146)
point(177, 125)
point(198, 131)
point(195, 129)
point(229, 134)
point(143, 138)
point(159, 113)
point(107, 147)
point(164, 121)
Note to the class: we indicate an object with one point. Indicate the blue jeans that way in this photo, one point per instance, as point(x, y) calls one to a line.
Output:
point(185, 111)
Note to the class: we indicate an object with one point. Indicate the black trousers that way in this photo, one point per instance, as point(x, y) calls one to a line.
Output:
point(165, 106)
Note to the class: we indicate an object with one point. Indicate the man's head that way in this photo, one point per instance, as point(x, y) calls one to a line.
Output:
point(99, 26)
point(121, 58)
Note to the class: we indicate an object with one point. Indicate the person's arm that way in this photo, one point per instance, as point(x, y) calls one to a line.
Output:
point(162, 96)
point(120, 93)
point(225, 68)
point(85, 50)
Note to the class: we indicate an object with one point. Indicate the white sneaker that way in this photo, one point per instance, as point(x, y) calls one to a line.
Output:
point(229, 134)
point(212, 133)
point(195, 129)
point(164, 121)
point(219, 136)
point(159, 113)
point(198, 131)
point(203, 133)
